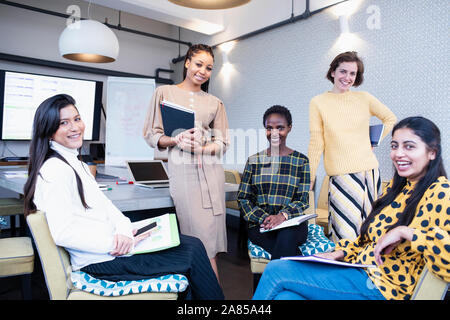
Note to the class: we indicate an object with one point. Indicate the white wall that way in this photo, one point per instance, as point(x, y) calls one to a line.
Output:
point(255, 15)
point(406, 68)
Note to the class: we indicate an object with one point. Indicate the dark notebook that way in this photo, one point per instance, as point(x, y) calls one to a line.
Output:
point(176, 118)
point(376, 132)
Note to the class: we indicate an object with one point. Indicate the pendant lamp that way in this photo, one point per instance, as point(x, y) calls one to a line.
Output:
point(210, 4)
point(89, 41)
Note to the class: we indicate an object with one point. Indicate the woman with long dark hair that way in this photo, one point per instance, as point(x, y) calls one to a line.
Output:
point(85, 222)
point(407, 231)
point(196, 175)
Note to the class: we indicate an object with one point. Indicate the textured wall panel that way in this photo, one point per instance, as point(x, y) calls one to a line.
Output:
point(406, 59)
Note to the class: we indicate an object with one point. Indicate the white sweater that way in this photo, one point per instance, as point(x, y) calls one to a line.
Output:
point(87, 234)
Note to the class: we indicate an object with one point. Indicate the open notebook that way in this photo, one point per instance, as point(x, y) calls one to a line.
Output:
point(164, 236)
point(148, 173)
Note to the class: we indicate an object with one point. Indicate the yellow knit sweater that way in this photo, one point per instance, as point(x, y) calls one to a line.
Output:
point(339, 128)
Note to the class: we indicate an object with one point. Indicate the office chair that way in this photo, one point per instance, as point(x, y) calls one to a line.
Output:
point(322, 205)
point(430, 287)
point(57, 269)
point(17, 259)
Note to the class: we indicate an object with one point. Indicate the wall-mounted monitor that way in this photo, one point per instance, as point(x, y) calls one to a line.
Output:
point(21, 93)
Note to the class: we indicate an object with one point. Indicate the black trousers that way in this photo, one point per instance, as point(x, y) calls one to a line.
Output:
point(189, 259)
point(282, 242)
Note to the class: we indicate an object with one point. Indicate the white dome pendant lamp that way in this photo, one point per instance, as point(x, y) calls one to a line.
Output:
point(88, 41)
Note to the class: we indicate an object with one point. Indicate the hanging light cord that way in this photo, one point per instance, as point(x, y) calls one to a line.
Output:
point(89, 10)
point(292, 9)
point(179, 39)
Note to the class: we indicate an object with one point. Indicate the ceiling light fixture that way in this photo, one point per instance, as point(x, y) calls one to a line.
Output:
point(210, 4)
point(89, 41)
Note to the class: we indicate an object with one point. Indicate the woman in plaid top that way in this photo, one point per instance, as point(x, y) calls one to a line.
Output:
point(274, 188)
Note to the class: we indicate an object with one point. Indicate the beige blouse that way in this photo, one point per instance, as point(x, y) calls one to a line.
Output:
point(211, 117)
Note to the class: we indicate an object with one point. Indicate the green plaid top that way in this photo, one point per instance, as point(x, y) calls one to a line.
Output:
point(273, 184)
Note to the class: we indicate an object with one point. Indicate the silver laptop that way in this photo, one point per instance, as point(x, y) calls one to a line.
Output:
point(148, 173)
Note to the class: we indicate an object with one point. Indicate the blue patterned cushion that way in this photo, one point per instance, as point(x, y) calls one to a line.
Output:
point(316, 242)
point(257, 251)
point(168, 283)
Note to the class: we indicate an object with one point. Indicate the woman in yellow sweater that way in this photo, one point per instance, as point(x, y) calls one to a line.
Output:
point(339, 123)
point(408, 230)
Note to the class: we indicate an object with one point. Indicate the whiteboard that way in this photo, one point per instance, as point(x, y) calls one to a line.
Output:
point(127, 102)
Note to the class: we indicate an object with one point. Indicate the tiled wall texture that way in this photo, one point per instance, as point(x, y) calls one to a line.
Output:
point(405, 47)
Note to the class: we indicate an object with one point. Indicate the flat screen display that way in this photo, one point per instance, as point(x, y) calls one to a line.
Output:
point(21, 94)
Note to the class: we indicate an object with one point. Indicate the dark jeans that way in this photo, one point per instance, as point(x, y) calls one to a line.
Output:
point(189, 259)
point(282, 242)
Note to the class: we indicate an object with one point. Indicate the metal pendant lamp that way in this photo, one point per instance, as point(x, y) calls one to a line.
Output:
point(210, 4)
point(89, 41)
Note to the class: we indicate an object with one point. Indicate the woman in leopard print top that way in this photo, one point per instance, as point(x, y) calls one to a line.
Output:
point(407, 231)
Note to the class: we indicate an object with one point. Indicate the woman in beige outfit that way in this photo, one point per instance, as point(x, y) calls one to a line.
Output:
point(195, 170)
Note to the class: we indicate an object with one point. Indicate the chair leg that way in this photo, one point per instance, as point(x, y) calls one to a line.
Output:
point(256, 278)
point(26, 286)
point(242, 235)
point(12, 225)
point(23, 226)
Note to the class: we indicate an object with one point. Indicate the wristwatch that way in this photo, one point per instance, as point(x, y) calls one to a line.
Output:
point(285, 215)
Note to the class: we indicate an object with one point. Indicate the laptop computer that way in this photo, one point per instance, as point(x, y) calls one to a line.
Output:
point(148, 173)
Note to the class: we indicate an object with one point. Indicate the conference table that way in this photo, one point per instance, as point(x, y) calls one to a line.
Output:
point(126, 197)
